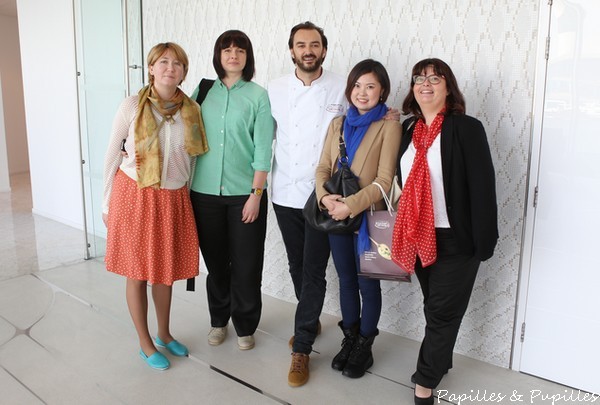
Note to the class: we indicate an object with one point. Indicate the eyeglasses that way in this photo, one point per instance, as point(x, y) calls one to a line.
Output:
point(433, 79)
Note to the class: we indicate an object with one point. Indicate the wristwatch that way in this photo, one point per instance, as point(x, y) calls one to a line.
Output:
point(257, 191)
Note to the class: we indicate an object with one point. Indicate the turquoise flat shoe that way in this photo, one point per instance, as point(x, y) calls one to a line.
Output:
point(174, 347)
point(157, 361)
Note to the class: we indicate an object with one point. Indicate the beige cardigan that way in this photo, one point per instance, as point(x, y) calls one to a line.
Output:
point(374, 161)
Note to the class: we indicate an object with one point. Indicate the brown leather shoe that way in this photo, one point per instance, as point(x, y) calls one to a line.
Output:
point(291, 341)
point(298, 374)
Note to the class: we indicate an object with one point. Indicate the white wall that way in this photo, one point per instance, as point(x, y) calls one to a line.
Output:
point(46, 34)
point(12, 90)
point(4, 179)
point(491, 47)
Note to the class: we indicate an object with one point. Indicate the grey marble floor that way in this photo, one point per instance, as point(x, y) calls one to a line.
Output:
point(66, 338)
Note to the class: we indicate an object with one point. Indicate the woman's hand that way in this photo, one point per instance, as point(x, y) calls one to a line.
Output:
point(251, 209)
point(329, 201)
point(392, 115)
point(105, 219)
point(336, 207)
point(340, 212)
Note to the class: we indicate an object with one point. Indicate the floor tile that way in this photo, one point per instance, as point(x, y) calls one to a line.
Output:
point(24, 301)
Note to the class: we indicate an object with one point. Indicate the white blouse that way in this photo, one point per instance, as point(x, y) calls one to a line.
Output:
point(434, 161)
point(177, 165)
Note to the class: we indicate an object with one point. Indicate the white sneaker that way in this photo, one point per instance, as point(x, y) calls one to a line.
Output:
point(216, 336)
point(245, 342)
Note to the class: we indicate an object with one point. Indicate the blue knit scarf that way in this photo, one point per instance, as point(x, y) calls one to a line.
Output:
point(355, 128)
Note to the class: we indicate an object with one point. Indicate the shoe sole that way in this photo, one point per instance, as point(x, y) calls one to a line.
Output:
point(292, 384)
point(246, 347)
point(369, 365)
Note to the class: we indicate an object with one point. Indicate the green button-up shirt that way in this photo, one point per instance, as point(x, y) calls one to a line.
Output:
point(239, 128)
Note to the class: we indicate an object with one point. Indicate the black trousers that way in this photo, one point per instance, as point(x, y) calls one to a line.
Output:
point(308, 252)
point(234, 254)
point(446, 285)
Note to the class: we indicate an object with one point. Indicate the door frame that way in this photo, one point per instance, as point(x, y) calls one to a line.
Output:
point(537, 119)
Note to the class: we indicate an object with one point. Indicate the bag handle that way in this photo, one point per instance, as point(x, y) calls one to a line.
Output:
point(343, 154)
point(386, 198)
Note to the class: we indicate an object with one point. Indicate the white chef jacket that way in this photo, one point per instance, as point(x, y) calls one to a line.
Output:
point(302, 114)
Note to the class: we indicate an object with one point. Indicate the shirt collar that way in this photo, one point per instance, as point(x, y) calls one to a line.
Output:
point(239, 84)
point(317, 81)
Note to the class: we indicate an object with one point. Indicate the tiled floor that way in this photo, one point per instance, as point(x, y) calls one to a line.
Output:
point(66, 338)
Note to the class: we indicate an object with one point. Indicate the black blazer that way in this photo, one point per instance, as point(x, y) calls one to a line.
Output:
point(469, 183)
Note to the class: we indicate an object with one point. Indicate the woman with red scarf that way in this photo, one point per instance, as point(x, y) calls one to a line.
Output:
point(447, 214)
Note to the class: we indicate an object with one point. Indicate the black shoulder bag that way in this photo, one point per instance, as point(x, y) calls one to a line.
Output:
point(203, 88)
point(342, 182)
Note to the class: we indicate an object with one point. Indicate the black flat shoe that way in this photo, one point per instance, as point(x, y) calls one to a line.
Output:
point(424, 401)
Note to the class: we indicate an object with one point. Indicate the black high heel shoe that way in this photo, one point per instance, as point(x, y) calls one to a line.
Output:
point(424, 401)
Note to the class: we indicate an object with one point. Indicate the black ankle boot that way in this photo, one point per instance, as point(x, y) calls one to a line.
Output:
point(340, 359)
point(361, 357)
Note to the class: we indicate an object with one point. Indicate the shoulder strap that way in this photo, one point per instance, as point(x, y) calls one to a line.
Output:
point(343, 154)
point(408, 123)
point(203, 88)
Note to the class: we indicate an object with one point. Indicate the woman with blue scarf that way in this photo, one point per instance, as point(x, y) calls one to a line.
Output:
point(372, 146)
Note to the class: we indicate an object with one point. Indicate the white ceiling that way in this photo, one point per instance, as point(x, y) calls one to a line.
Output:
point(8, 8)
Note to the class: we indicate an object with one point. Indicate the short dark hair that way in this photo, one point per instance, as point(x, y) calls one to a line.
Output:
point(307, 25)
point(241, 40)
point(364, 67)
point(455, 101)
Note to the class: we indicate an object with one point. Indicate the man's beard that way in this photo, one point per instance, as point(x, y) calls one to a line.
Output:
point(309, 68)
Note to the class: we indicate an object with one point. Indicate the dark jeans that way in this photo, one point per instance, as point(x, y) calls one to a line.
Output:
point(447, 285)
point(353, 288)
point(308, 252)
point(234, 253)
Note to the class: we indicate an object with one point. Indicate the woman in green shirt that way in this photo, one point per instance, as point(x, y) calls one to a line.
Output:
point(228, 186)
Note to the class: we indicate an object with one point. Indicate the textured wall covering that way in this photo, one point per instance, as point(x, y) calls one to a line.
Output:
point(491, 47)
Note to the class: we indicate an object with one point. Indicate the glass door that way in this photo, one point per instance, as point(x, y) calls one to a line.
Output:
point(104, 80)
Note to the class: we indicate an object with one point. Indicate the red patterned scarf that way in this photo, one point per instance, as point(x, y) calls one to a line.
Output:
point(414, 230)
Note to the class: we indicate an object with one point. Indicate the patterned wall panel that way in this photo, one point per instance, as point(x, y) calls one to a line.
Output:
point(491, 47)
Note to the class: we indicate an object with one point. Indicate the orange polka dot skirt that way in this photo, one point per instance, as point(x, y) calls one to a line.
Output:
point(151, 233)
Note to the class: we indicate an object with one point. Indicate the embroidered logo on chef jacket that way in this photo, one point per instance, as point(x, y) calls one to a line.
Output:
point(335, 108)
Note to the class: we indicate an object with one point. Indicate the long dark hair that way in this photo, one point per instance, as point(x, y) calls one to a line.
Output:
point(241, 40)
point(455, 102)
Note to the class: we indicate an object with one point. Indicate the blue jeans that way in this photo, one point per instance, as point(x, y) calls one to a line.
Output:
point(353, 288)
point(308, 252)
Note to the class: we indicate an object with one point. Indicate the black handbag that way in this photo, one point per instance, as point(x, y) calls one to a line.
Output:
point(342, 182)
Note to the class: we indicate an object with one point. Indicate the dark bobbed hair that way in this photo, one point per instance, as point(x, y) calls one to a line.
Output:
point(455, 101)
point(364, 67)
point(307, 25)
point(241, 40)
point(159, 49)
